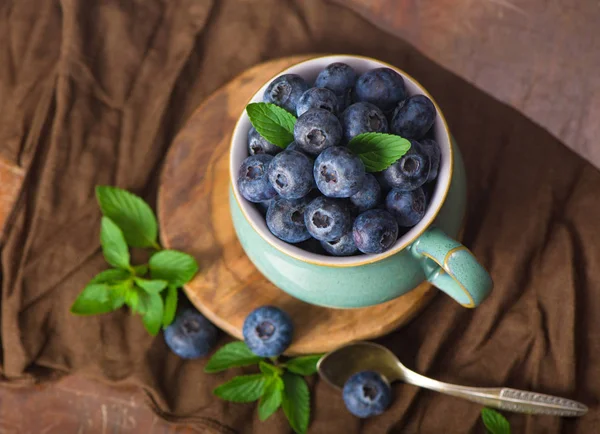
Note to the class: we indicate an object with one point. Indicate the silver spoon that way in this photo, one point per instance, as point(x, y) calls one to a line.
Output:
point(337, 366)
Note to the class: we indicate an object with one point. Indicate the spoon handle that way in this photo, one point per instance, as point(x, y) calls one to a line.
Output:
point(519, 401)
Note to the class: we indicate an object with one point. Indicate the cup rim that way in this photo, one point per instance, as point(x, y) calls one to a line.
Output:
point(439, 196)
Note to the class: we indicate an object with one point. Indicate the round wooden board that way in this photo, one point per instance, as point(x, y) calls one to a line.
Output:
point(194, 217)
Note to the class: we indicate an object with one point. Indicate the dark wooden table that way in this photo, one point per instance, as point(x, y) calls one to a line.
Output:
point(551, 51)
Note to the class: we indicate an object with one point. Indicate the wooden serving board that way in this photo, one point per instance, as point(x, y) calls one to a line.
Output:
point(194, 217)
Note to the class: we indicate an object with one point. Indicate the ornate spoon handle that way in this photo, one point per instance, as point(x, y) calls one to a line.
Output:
point(520, 401)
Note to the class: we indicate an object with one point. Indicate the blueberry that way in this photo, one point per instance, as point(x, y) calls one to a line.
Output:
point(317, 97)
point(338, 172)
point(293, 147)
point(257, 144)
point(263, 207)
point(285, 219)
point(290, 174)
point(368, 196)
point(367, 394)
point(435, 155)
point(191, 335)
point(383, 87)
point(327, 219)
point(407, 206)
point(375, 231)
point(343, 247)
point(413, 117)
point(411, 171)
point(253, 181)
point(316, 130)
point(268, 331)
point(339, 78)
point(313, 246)
point(363, 117)
point(285, 91)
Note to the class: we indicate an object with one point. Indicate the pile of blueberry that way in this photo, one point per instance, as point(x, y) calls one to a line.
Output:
point(317, 189)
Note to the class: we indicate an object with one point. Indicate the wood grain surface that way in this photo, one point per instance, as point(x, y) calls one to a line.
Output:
point(193, 211)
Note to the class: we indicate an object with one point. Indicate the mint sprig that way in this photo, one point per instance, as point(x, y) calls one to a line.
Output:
point(272, 122)
point(128, 221)
point(494, 422)
point(279, 384)
point(378, 151)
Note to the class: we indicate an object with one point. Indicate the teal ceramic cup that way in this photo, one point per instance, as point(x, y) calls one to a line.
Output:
point(428, 252)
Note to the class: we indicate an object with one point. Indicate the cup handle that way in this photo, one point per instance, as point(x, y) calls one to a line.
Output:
point(452, 268)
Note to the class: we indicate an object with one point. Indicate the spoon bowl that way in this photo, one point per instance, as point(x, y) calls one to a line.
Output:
point(339, 365)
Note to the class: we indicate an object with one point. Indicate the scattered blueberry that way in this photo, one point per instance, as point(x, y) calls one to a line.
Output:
point(413, 117)
point(327, 219)
point(316, 130)
point(383, 87)
point(253, 181)
point(338, 172)
point(285, 219)
point(411, 171)
point(317, 97)
point(343, 247)
point(369, 195)
point(190, 335)
point(257, 144)
point(367, 394)
point(407, 206)
point(363, 117)
point(268, 331)
point(435, 155)
point(290, 174)
point(375, 231)
point(339, 78)
point(285, 91)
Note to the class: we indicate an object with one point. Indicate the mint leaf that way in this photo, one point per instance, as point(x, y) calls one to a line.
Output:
point(153, 312)
point(268, 369)
point(151, 286)
point(134, 301)
point(232, 355)
point(111, 275)
point(270, 401)
point(140, 270)
point(175, 267)
point(118, 291)
point(170, 306)
point(245, 388)
point(94, 299)
point(296, 402)
point(378, 151)
point(130, 213)
point(113, 244)
point(495, 422)
point(272, 122)
point(305, 365)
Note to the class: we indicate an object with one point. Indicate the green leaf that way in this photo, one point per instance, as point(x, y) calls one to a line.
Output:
point(305, 365)
point(268, 369)
point(151, 286)
point(94, 299)
point(170, 306)
point(119, 292)
point(378, 151)
point(130, 213)
point(111, 275)
point(495, 422)
point(153, 312)
point(245, 388)
point(270, 401)
point(113, 244)
point(232, 355)
point(175, 267)
point(140, 270)
point(272, 122)
point(296, 402)
point(134, 301)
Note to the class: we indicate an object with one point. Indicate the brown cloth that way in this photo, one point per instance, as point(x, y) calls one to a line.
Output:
point(93, 91)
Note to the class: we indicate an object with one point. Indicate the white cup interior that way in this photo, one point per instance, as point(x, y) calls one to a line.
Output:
point(309, 70)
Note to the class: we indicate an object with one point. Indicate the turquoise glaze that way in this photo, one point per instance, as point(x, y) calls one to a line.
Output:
point(433, 256)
